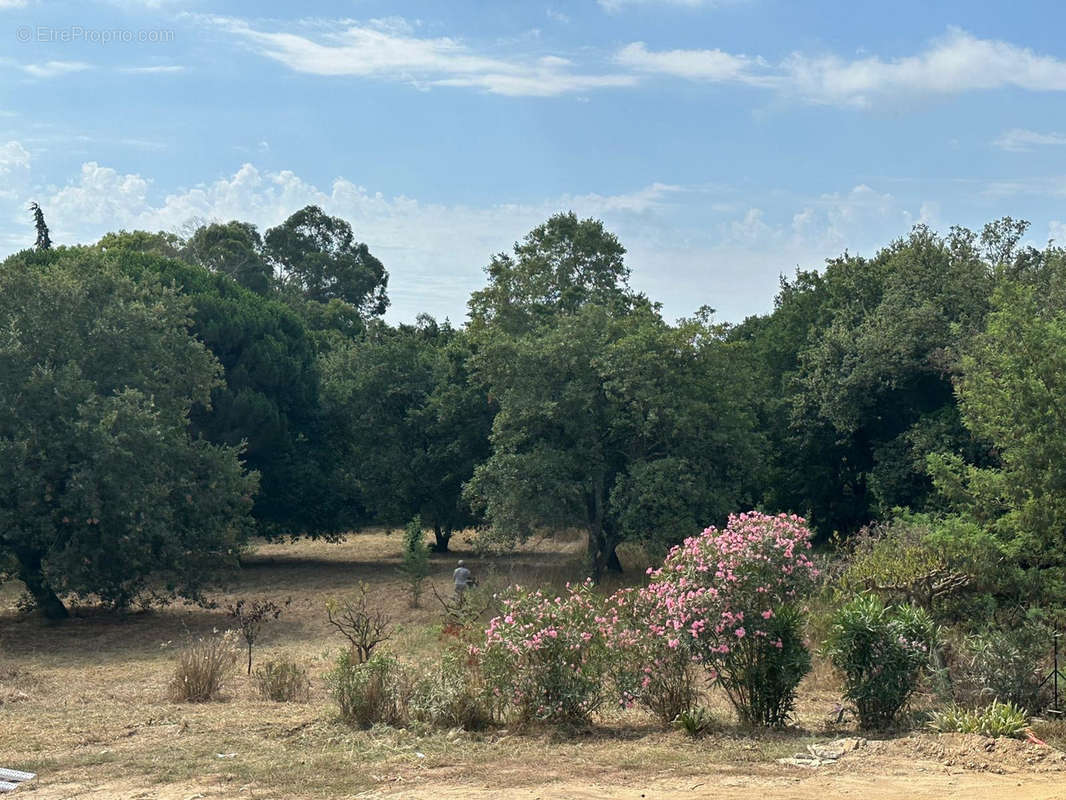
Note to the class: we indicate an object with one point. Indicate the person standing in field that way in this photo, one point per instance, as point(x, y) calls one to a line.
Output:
point(463, 580)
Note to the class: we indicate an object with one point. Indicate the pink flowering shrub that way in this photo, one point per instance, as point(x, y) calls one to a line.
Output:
point(732, 598)
point(546, 658)
point(653, 671)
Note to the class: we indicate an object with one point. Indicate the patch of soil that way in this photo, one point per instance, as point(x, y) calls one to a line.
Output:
point(969, 751)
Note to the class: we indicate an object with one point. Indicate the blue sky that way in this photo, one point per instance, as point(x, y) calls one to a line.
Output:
point(724, 142)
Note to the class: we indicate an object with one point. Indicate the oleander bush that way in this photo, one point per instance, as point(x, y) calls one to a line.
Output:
point(735, 598)
point(649, 670)
point(883, 652)
point(546, 659)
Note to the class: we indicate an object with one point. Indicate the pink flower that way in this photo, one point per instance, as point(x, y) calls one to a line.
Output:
point(740, 633)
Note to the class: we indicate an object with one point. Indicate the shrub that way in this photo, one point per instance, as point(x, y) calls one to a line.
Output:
point(204, 666)
point(764, 672)
point(451, 697)
point(547, 658)
point(1003, 665)
point(370, 692)
point(415, 566)
point(997, 719)
point(695, 722)
point(283, 680)
point(646, 670)
point(883, 653)
point(942, 565)
point(733, 597)
point(364, 625)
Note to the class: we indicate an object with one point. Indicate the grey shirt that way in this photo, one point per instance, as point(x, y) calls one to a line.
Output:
point(462, 577)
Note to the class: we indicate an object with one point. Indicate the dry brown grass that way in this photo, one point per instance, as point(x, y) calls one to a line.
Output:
point(85, 703)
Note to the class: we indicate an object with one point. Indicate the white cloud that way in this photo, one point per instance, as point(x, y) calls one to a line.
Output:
point(100, 196)
point(52, 69)
point(705, 65)
point(12, 4)
point(557, 16)
point(1020, 140)
point(1057, 232)
point(956, 62)
point(160, 69)
point(13, 156)
point(392, 52)
point(688, 245)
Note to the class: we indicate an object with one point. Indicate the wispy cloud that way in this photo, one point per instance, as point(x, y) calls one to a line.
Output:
point(53, 69)
point(956, 62)
point(161, 69)
point(1020, 140)
point(392, 52)
point(699, 65)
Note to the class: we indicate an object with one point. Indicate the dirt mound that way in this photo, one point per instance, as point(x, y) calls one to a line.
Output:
point(979, 753)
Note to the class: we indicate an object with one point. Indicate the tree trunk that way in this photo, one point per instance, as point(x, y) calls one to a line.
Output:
point(442, 537)
point(613, 564)
point(30, 571)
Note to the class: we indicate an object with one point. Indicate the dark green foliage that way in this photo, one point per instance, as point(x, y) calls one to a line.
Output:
point(610, 420)
point(269, 401)
point(883, 651)
point(858, 386)
point(1010, 394)
point(44, 239)
point(318, 259)
point(234, 249)
point(410, 425)
point(103, 490)
point(764, 690)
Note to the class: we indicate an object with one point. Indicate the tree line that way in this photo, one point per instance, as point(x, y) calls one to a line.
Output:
point(164, 398)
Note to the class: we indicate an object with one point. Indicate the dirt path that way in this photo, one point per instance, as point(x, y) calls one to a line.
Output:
point(913, 786)
point(971, 786)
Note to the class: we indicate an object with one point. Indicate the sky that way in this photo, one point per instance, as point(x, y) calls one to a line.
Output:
point(725, 142)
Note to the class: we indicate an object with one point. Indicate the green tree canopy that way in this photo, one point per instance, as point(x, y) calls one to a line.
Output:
point(610, 420)
point(412, 423)
point(104, 491)
point(1012, 393)
point(857, 368)
point(234, 249)
point(269, 399)
point(319, 259)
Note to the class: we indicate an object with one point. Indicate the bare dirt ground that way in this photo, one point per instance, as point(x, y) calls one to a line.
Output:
point(84, 705)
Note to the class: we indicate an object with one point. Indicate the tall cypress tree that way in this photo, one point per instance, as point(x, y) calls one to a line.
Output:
point(44, 241)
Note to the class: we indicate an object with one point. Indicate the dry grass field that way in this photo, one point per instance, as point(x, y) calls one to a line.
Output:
point(84, 704)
